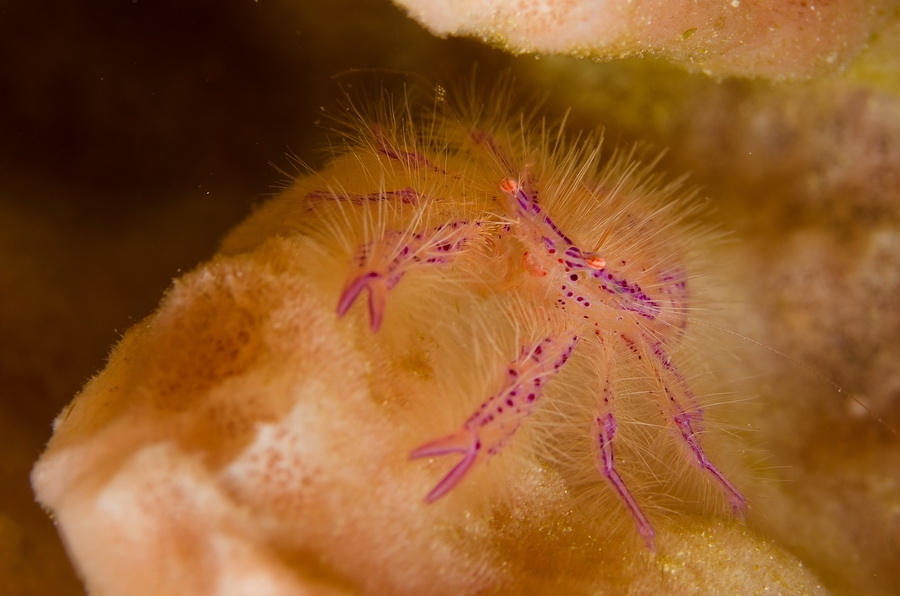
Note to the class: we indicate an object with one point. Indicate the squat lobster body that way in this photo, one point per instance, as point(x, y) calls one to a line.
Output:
point(627, 285)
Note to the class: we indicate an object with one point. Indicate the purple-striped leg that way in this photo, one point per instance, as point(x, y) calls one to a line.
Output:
point(380, 265)
point(496, 420)
point(604, 430)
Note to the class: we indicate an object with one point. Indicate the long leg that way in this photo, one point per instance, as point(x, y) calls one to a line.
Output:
point(496, 420)
point(685, 413)
point(405, 196)
point(604, 430)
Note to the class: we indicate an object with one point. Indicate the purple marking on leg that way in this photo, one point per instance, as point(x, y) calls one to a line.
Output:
point(407, 196)
point(684, 422)
point(674, 289)
point(496, 420)
point(688, 418)
point(524, 196)
point(627, 296)
point(377, 287)
point(537, 227)
point(465, 442)
point(623, 288)
point(380, 265)
point(605, 431)
point(410, 158)
point(352, 291)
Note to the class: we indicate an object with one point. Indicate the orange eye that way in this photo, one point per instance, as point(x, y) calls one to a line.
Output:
point(509, 185)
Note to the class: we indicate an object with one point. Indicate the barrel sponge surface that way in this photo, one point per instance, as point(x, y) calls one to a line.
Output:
point(758, 38)
point(192, 464)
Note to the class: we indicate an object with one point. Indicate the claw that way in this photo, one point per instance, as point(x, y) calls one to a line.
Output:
point(376, 286)
point(381, 264)
point(466, 442)
point(495, 421)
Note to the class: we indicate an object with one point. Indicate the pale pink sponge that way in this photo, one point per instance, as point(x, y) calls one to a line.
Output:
point(780, 39)
point(462, 280)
